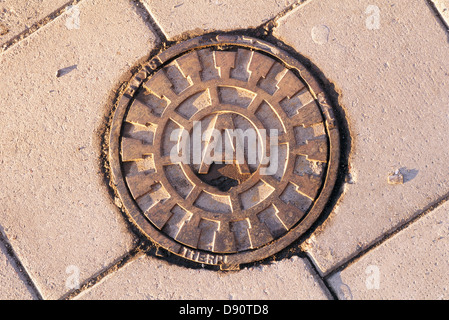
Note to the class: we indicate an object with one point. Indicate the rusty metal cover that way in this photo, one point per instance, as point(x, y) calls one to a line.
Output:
point(235, 211)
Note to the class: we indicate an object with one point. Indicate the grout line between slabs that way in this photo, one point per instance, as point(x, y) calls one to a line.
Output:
point(157, 29)
point(19, 267)
point(284, 13)
point(324, 282)
point(268, 25)
point(273, 22)
point(387, 236)
point(112, 269)
point(37, 26)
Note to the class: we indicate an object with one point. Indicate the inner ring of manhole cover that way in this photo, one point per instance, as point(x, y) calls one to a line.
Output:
point(224, 150)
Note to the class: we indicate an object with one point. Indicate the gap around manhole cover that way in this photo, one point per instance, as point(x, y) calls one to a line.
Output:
point(272, 122)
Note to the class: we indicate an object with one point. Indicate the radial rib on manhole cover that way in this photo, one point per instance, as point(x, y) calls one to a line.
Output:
point(224, 150)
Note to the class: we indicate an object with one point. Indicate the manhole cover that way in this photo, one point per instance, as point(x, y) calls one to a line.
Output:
point(224, 150)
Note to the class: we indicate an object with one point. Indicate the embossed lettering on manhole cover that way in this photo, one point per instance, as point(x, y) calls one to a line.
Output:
point(224, 151)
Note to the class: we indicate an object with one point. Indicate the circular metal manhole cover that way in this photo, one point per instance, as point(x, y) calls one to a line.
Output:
point(224, 151)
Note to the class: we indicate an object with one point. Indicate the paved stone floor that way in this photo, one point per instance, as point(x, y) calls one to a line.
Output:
point(62, 235)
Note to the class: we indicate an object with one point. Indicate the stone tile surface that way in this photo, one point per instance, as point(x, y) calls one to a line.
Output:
point(11, 283)
point(149, 278)
point(18, 16)
point(56, 208)
point(412, 265)
point(390, 60)
point(176, 17)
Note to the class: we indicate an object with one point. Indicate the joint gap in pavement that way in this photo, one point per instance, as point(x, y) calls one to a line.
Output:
point(113, 268)
point(271, 24)
point(156, 28)
point(18, 266)
point(324, 283)
point(38, 25)
point(387, 236)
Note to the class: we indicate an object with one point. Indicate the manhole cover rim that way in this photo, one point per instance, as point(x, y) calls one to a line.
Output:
point(197, 255)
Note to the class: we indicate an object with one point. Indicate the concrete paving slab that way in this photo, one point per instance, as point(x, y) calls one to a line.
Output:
point(11, 282)
point(176, 17)
point(57, 86)
point(390, 60)
point(19, 16)
point(152, 279)
point(412, 265)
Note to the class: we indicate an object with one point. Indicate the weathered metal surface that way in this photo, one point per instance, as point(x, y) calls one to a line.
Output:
point(229, 213)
